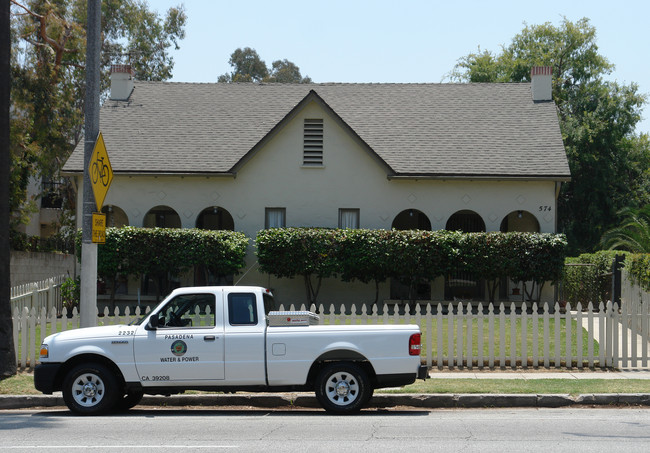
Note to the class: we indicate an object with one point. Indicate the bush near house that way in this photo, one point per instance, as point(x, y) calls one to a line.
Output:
point(411, 256)
point(131, 251)
point(587, 278)
point(638, 267)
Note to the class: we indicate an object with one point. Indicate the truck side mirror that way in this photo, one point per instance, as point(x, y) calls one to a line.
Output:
point(153, 322)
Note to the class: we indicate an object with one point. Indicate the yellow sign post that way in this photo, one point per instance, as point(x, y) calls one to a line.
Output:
point(101, 172)
point(99, 228)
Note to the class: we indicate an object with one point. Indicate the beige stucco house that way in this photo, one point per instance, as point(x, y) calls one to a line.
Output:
point(475, 157)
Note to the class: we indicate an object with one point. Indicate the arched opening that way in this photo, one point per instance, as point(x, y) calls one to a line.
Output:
point(162, 217)
point(458, 284)
point(465, 221)
point(115, 216)
point(410, 219)
point(213, 218)
point(523, 222)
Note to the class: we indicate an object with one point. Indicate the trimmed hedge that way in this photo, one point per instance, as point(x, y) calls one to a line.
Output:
point(168, 251)
point(410, 256)
point(586, 277)
point(638, 267)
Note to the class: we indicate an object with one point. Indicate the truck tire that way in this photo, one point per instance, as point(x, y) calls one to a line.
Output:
point(90, 389)
point(342, 388)
point(131, 399)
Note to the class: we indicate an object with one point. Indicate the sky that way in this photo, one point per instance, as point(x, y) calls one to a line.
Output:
point(407, 41)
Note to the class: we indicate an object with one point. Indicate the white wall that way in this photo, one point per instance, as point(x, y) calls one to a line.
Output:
point(350, 178)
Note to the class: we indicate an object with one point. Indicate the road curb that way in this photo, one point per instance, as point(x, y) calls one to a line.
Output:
point(307, 400)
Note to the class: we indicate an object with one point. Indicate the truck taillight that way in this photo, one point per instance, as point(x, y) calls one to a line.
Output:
point(414, 344)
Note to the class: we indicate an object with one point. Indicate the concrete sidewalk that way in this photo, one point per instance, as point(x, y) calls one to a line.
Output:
point(545, 374)
point(293, 401)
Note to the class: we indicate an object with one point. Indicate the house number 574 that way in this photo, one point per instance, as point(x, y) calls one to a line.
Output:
point(544, 208)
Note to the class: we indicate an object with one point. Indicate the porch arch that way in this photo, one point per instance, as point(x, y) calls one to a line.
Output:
point(411, 219)
point(466, 221)
point(162, 217)
point(522, 221)
point(115, 216)
point(215, 218)
point(458, 284)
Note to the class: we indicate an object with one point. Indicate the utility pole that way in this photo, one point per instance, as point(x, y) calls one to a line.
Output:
point(88, 302)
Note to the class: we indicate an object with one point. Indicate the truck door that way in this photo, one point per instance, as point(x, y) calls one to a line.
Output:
point(245, 324)
point(187, 345)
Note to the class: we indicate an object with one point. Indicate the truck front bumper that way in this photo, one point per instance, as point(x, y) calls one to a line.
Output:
point(45, 377)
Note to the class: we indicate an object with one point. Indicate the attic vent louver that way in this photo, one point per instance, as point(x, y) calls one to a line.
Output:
point(313, 143)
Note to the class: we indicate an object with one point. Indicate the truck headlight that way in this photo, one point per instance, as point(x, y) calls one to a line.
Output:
point(44, 351)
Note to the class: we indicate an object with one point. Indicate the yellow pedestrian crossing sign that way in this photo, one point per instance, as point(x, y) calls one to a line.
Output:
point(101, 173)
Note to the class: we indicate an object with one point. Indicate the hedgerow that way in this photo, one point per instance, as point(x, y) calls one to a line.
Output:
point(409, 256)
point(131, 251)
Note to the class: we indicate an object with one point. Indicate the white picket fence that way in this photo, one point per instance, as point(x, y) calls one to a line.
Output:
point(37, 295)
point(455, 335)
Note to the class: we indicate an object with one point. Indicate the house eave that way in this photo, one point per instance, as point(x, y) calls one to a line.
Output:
point(495, 177)
point(76, 173)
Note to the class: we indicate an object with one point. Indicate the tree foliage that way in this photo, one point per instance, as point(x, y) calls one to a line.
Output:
point(609, 164)
point(48, 76)
point(249, 67)
point(633, 234)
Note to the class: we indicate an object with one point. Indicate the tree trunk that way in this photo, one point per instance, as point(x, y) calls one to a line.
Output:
point(7, 352)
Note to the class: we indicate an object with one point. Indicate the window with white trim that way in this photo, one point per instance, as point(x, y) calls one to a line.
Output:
point(312, 151)
point(275, 217)
point(349, 218)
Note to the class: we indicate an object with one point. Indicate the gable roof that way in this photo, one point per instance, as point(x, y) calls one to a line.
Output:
point(416, 130)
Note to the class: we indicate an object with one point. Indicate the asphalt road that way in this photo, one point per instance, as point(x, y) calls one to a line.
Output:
point(401, 429)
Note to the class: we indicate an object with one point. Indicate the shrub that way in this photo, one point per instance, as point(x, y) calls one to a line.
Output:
point(586, 278)
point(409, 256)
point(638, 267)
point(71, 293)
point(168, 251)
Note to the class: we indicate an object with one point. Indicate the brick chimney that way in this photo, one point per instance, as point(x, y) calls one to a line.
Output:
point(121, 82)
point(541, 87)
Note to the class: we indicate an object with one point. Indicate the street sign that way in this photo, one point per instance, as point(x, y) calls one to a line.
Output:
point(99, 228)
point(101, 172)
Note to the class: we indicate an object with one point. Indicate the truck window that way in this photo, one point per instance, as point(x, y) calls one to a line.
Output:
point(242, 309)
point(269, 303)
point(188, 310)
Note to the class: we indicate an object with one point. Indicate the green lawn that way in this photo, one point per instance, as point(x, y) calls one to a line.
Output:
point(23, 384)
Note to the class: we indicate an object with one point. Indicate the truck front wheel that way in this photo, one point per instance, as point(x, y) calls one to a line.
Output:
point(90, 389)
point(342, 388)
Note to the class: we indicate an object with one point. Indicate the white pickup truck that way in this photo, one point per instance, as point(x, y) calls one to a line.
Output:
point(226, 339)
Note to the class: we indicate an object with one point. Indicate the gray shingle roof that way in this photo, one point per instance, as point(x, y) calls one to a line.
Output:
point(437, 130)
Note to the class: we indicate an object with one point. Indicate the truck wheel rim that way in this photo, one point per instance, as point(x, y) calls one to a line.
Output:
point(342, 388)
point(88, 390)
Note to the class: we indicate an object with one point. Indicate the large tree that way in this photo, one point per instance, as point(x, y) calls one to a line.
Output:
point(7, 352)
point(49, 48)
point(249, 67)
point(597, 119)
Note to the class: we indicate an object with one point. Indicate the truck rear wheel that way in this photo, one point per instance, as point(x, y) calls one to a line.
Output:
point(342, 388)
point(90, 389)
